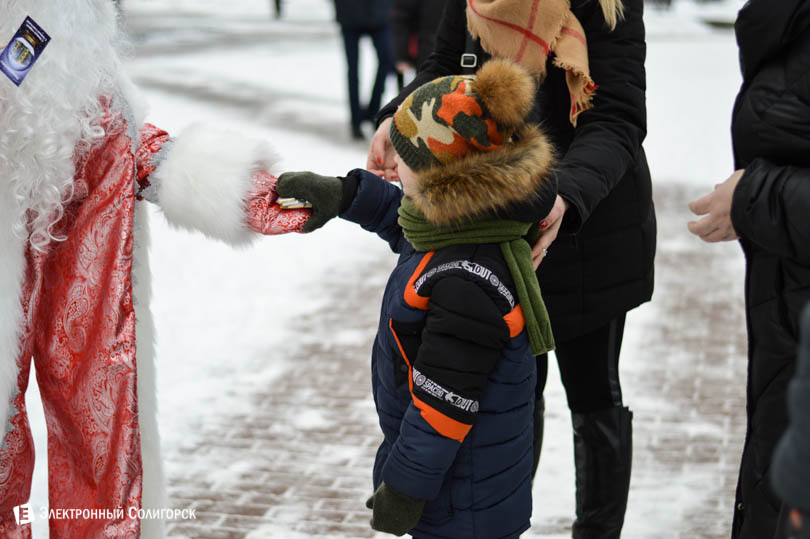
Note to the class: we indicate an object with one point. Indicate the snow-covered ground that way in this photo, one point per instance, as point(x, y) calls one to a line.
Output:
point(222, 314)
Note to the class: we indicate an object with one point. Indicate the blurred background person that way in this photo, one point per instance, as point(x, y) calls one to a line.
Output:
point(765, 204)
point(414, 24)
point(358, 18)
point(791, 461)
point(277, 8)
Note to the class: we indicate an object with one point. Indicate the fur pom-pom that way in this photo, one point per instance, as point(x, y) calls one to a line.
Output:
point(507, 90)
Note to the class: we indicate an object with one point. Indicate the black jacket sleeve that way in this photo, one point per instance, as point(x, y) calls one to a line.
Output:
point(608, 137)
point(373, 203)
point(771, 208)
point(464, 337)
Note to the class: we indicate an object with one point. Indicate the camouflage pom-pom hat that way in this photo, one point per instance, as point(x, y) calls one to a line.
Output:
point(468, 139)
point(454, 116)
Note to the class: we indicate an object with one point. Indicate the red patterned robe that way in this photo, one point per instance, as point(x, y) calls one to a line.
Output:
point(79, 325)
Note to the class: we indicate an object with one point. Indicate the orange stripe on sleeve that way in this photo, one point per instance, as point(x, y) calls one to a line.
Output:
point(446, 426)
point(515, 321)
point(411, 297)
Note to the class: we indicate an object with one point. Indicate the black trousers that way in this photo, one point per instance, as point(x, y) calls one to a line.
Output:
point(383, 45)
point(589, 368)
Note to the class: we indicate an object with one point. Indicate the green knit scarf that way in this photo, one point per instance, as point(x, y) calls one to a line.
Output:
point(516, 251)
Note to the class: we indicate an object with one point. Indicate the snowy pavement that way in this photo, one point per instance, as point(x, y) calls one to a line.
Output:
point(266, 415)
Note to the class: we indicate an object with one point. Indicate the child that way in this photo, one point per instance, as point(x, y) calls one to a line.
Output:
point(453, 369)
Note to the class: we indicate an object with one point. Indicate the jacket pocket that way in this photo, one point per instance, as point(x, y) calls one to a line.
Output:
point(408, 338)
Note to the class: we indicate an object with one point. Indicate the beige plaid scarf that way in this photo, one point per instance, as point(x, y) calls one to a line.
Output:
point(528, 31)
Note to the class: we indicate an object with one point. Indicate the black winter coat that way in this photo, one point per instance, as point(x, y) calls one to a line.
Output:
point(601, 264)
point(363, 14)
point(791, 463)
point(415, 17)
point(771, 214)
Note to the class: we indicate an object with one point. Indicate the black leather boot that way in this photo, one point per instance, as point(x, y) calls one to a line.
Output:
point(603, 453)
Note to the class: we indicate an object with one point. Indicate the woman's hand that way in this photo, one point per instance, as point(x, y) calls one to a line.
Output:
point(549, 228)
point(716, 206)
point(381, 153)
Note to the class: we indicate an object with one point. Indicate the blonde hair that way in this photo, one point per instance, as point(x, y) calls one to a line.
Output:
point(613, 11)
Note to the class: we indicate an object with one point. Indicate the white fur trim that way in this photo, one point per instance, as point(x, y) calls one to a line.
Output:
point(205, 179)
point(154, 485)
point(12, 271)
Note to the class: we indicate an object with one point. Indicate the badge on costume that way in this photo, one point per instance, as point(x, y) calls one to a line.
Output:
point(23, 50)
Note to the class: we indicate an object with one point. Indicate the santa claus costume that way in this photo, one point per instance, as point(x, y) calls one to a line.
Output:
point(76, 169)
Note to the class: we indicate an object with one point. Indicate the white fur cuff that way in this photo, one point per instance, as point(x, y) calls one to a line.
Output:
point(205, 179)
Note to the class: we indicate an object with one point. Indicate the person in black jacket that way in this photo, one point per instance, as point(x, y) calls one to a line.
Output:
point(358, 18)
point(791, 460)
point(600, 264)
point(766, 204)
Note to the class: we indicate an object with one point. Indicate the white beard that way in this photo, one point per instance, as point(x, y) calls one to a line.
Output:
point(55, 109)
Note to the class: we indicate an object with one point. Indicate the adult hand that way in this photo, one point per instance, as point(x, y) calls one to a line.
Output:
point(716, 206)
point(264, 215)
point(381, 153)
point(549, 228)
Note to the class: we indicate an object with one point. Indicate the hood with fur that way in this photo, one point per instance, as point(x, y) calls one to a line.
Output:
point(487, 183)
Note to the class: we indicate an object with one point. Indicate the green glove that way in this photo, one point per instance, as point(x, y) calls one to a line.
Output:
point(325, 193)
point(394, 512)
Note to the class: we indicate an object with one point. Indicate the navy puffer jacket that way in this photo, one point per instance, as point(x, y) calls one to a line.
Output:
point(453, 381)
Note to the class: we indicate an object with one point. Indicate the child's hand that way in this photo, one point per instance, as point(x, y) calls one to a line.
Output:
point(394, 512)
point(325, 193)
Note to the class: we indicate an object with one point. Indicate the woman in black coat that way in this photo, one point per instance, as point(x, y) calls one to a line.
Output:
point(603, 231)
point(766, 204)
